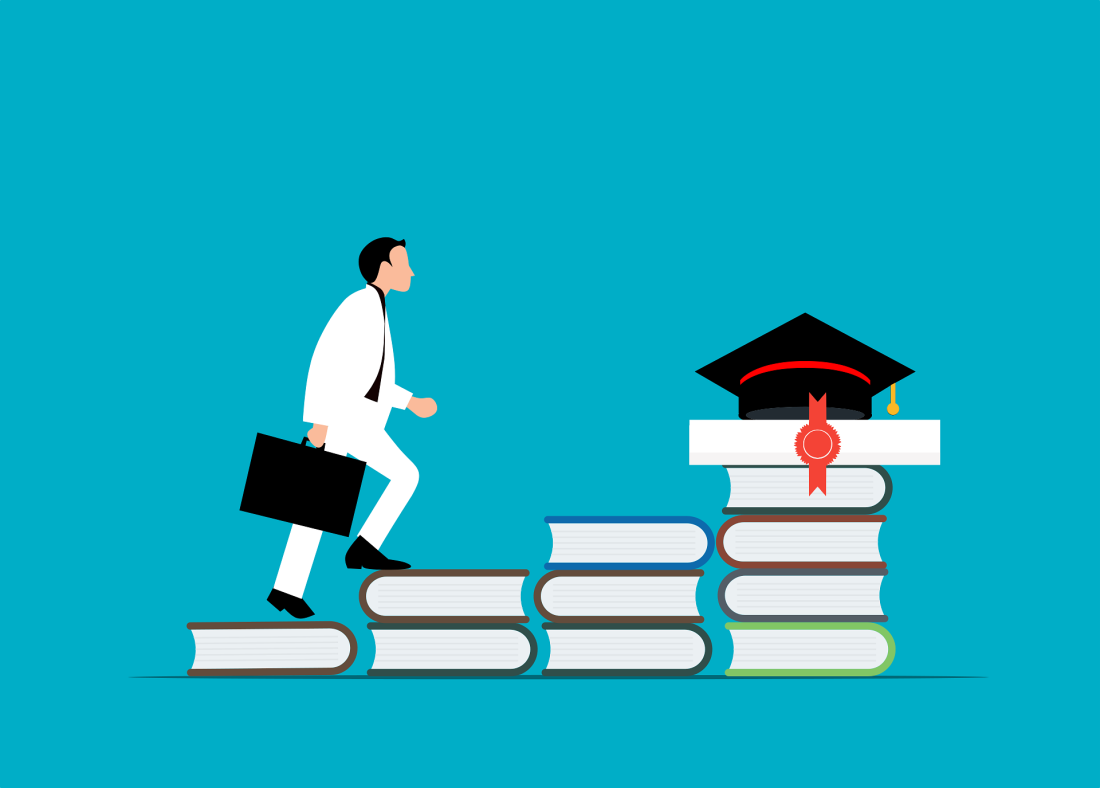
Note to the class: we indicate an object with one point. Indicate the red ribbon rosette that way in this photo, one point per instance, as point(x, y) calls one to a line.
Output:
point(817, 444)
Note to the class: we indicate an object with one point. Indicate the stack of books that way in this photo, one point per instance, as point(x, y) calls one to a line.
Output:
point(804, 598)
point(426, 622)
point(620, 598)
point(448, 622)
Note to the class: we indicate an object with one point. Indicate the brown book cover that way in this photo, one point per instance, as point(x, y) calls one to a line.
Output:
point(521, 619)
point(720, 541)
point(614, 619)
point(275, 625)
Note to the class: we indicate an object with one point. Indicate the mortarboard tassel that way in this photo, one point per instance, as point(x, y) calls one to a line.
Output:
point(893, 408)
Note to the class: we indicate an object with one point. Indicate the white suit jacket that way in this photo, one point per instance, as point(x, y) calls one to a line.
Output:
point(345, 365)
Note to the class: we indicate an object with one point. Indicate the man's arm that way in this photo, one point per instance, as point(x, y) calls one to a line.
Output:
point(394, 396)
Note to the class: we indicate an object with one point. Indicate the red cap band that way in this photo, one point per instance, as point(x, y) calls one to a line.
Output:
point(806, 365)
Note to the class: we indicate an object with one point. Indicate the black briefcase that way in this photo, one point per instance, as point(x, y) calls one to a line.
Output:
point(296, 484)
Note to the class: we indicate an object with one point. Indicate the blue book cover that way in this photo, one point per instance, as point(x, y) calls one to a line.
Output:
point(629, 542)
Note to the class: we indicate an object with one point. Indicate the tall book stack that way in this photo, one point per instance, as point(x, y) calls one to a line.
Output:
point(804, 596)
point(620, 596)
point(806, 484)
point(448, 622)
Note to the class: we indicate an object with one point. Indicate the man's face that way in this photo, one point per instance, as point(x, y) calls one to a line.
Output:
point(401, 274)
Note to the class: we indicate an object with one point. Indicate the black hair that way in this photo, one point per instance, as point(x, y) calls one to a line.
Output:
point(374, 254)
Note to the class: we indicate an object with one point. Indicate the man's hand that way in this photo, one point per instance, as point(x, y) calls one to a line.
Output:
point(317, 435)
point(422, 407)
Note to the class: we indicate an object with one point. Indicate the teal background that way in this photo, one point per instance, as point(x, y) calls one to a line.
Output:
point(598, 199)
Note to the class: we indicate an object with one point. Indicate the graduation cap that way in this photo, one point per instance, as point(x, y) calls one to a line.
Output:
point(773, 374)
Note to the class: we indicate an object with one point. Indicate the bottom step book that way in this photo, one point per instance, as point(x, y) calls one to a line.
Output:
point(271, 648)
point(626, 649)
point(818, 649)
point(451, 649)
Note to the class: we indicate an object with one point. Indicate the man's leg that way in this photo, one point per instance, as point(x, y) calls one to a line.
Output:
point(301, 547)
point(383, 456)
point(297, 561)
point(380, 452)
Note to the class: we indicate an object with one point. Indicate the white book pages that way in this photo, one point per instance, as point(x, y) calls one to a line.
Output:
point(624, 649)
point(792, 542)
point(620, 596)
point(449, 649)
point(245, 649)
point(808, 649)
point(412, 595)
point(638, 543)
point(847, 488)
point(805, 595)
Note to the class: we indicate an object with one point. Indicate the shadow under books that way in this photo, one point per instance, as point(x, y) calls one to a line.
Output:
point(553, 678)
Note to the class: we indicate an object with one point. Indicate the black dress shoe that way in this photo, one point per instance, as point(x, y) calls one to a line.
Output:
point(363, 555)
point(291, 604)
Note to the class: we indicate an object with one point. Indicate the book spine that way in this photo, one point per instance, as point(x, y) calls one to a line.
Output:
point(733, 576)
point(707, 652)
point(213, 672)
point(733, 522)
point(375, 616)
point(613, 619)
point(627, 566)
point(819, 509)
point(819, 671)
point(531, 657)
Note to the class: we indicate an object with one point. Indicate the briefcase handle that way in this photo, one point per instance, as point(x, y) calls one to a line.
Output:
point(306, 438)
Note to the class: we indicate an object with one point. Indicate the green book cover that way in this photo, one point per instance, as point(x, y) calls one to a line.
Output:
point(874, 671)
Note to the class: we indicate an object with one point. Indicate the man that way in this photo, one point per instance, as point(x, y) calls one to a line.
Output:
point(349, 393)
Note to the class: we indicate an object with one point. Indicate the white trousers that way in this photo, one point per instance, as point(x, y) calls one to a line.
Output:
point(376, 449)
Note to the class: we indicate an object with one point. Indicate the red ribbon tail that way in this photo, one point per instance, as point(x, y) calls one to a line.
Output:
point(817, 477)
point(817, 410)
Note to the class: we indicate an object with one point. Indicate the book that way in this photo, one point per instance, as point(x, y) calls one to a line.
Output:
point(451, 649)
point(635, 596)
point(271, 648)
point(809, 595)
point(460, 596)
point(771, 442)
point(629, 543)
point(801, 542)
point(780, 489)
point(819, 649)
point(626, 649)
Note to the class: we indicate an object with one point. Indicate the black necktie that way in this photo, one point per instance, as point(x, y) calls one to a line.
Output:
point(372, 395)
